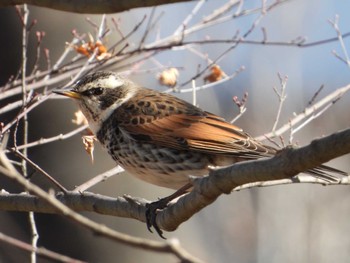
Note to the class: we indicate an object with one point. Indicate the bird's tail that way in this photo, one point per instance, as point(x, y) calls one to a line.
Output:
point(327, 173)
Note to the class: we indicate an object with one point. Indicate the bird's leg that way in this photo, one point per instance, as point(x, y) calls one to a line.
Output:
point(151, 208)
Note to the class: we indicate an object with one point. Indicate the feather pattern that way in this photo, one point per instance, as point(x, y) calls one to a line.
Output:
point(160, 138)
point(170, 122)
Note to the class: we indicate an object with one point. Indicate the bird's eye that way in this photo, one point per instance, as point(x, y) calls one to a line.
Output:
point(93, 92)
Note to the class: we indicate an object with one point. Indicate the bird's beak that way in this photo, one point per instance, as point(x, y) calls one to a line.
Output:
point(68, 93)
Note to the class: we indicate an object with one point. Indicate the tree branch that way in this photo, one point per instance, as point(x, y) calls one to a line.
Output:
point(90, 6)
point(171, 247)
point(288, 163)
point(40, 251)
point(308, 112)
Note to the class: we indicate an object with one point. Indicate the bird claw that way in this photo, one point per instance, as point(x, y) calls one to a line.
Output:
point(151, 215)
point(152, 208)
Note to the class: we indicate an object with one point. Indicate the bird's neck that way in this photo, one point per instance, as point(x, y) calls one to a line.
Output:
point(107, 113)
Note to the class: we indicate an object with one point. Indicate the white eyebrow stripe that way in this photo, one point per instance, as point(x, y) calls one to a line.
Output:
point(110, 82)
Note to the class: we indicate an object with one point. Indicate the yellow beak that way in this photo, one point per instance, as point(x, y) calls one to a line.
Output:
point(68, 93)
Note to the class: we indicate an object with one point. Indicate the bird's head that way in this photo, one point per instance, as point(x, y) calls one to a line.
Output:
point(99, 94)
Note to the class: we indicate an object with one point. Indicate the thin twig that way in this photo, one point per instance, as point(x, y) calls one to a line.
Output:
point(241, 106)
point(39, 169)
point(102, 28)
point(281, 98)
point(209, 85)
point(40, 251)
point(189, 17)
point(302, 179)
point(99, 178)
point(255, 23)
point(128, 35)
point(116, 24)
point(25, 30)
point(65, 69)
point(51, 139)
point(325, 102)
point(39, 36)
point(335, 25)
point(221, 11)
point(312, 100)
point(313, 116)
point(148, 28)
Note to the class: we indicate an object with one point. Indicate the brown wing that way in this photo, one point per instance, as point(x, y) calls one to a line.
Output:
point(171, 122)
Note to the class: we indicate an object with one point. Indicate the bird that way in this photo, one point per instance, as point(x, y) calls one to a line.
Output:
point(160, 138)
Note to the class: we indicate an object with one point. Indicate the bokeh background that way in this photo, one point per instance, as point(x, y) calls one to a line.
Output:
point(288, 223)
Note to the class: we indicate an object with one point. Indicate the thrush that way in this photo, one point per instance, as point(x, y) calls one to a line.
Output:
point(160, 138)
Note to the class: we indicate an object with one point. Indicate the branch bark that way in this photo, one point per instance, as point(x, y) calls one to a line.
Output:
point(90, 6)
point(171, 247)
point(288, 163)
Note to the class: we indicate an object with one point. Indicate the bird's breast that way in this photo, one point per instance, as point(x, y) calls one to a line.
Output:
point(155, 164)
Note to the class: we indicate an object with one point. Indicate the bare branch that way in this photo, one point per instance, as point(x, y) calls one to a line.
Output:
point(170, 247)
point(39, 169)
point(286, 164)
point(241, 106)
point(90, 6)
point(264, 172)
point(312, 100)
point(194, 11)
point(40, 251)
point(328, 100)
point(24, 15)
point(281, 98)
point(51, 139)
point(99, 178)
point(335, 25)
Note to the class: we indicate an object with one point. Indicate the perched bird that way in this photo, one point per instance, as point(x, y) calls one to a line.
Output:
point(160, 138)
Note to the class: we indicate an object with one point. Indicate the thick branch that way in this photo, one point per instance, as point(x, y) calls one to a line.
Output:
point(287, 163)
point(120, 206)
point(170, 247)
point(90, 6)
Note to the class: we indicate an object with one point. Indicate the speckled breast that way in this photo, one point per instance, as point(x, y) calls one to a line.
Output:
point(149, 162)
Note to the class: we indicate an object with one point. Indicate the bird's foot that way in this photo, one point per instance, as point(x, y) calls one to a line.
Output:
point(151, 215)
point(152, 208)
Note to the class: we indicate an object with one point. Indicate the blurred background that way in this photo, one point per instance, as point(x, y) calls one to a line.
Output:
point(287, 223)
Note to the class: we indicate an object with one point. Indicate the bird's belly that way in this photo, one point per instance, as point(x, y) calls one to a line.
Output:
point(158, 165)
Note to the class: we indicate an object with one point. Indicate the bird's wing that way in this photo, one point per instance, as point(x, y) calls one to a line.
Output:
point(168, 121)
